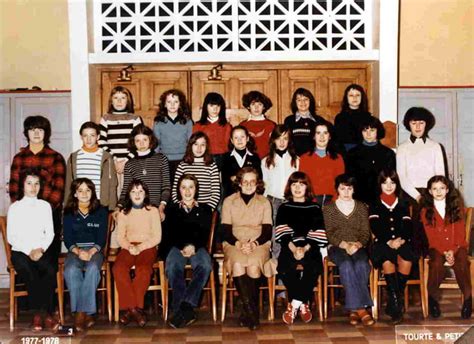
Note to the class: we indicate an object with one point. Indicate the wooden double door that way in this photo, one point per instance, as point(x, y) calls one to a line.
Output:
point(278, 81)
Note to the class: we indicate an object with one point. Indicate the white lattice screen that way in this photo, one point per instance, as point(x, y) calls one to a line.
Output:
point(234, 30)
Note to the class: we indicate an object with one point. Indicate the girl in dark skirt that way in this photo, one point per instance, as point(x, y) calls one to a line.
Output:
point(300, 231)
point(392, 251)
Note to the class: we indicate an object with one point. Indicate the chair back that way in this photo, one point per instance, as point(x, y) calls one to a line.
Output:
point(110, 229)
point(468, 224)
point(8, 251)
point(211, 232)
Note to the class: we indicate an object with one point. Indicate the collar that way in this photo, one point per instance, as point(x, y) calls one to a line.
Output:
point(185, 207)
point(389, 202)
point(123, 112)
point(235, 154)
point(90, 150)
point(148, 151)
point(36, 148)
point(320, 152)
point(258, 118)
point(174, 121)
point(212, 120)
point(148, 154)
point(307, 115)
point(139, 206)
point(414, 138)
point(369, 144)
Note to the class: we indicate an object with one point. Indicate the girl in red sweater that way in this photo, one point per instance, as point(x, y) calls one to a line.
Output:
point(322, 163)
point(214, 124)
point(443, 219)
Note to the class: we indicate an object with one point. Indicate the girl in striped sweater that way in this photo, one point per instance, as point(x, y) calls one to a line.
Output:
point(198, 162)
point(116, 126)
point(301, 232)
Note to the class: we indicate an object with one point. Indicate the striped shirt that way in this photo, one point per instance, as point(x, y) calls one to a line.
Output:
point(115, 130)
point(153, 170)
point(88, 165)
point(208, 178)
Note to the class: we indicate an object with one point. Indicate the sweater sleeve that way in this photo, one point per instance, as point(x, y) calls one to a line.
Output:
point(103, 135)
point(69, 178)
point(68, 231)
point(439, 161)
point(165, 179)
point(215, 186)
point(283, 232)
point(375, 222)
point(179, 172)
point(122, 231)
point(364, 226)
point(127, 179)
point(155, 229)
point(317, 234)
point(266, 234)
point(57, 181)
point(101, 233)
point(228, 234)
point(14, 231)
point(333, 233)
point(402, 170)
point(48, 227)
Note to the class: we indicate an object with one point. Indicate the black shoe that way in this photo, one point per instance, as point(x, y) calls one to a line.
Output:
point(177, 321)
point(188, 313)
point(433, 307)
point(394, 308)
point(466, 310)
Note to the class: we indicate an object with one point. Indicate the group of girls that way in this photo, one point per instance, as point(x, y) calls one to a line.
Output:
point(278, 211)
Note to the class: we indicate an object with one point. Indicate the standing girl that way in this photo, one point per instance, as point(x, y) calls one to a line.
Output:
point(300, 231)
point(149, 167)
point(85, 234)
point(138, 233)
point(214, 124)
point(258, 125)
point(198, 162)
point(443, 219)
point(241, 155)
point(281, 162)
point(392, 251)
point(354, 109)
point(115, 128)
point(173, 126)
point(323, 164)
point(302, 121)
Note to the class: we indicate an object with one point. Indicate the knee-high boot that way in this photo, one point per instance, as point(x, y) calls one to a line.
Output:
point(242, 286)
point(393, 304)
point(402, 282)
point(254, 284)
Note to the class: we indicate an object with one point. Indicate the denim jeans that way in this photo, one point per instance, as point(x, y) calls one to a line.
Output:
point(82, 279)
point(354, 271)
point(201, 265)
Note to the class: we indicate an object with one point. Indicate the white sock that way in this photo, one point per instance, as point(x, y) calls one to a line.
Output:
point(296, 304)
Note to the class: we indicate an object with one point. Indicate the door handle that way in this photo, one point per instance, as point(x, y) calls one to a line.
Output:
point(460, 179)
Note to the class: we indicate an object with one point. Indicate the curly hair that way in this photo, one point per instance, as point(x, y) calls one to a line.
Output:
point(419, 114)
point(120, 89)
point(128, 201)
point(72, 204)
point(213, 98)
point(189, 156)
point(454, 201)
point(331, 148)
point(256, 96)
point(278, 131)
point(37, 122)
point(142, 129)
point(240, 176)
point(184, 113)
point(299, 177)
point(364, 103)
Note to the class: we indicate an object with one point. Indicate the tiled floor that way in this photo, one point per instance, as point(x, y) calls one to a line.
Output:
point(334, 330)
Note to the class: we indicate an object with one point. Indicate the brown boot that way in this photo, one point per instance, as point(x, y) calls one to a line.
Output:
point(79, 321)
point(126, 317)
point(139, 315)
point(51, 323)
point(37, 323)
point(89, 321)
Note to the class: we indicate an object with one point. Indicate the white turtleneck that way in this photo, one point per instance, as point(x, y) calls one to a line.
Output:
point(441, 207)
point(257, 118)
point(144, 152)
point(346, 207)
point(30, 225)
point(212, 119)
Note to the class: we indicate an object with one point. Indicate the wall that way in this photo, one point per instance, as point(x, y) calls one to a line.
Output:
point(34, 44)
point(436, 43)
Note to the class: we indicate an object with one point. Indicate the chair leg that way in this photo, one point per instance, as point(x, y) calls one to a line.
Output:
point(271, 297)
point(108, 286)
point(375, 295)
point(224, 293)
point(325, 291)
point(320, 299)
point(12, 302)
point(163, 282)
point(60, 283)
point(212, 283)
point(116, 303)
point(424, 280)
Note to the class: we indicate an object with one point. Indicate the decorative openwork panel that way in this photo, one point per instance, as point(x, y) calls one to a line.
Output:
point(234, 30)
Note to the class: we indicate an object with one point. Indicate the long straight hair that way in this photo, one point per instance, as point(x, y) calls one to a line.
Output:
point(278, 131)
point(72, 205)
point(299, 177)
point(213, 98)
point(128, 201)
point(189, 156)
point(120, 89)
point(364, 103)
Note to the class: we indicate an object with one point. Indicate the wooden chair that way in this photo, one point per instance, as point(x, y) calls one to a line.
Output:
point(104, 287)
point(330, 282)
point(17, 289)
point(380, 281)
point(449, 282)
point(211, 284)
point(318, 296)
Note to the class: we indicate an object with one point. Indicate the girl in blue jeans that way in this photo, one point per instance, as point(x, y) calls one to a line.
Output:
point(189, 223)
point(85, 232)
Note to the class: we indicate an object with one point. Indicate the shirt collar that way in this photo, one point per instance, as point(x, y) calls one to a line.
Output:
point(413, 138)
point(235, 154)
point(298, 116)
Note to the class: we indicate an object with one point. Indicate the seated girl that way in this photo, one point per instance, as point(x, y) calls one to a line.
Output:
point(300, 231)
point(138, 234)
point(348, 232)
point(85, 234)
point(247, 223)
point(189, 223)
point(442, 215)
point(30, 232)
